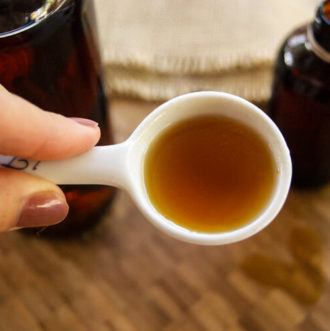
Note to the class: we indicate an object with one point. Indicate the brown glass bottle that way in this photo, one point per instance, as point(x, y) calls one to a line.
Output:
point(300, 103)
point(53, 61)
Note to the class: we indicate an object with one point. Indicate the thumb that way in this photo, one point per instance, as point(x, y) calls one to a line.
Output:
point(28, 201)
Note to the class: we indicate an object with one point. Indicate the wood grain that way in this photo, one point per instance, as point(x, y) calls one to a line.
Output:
point(125, 275)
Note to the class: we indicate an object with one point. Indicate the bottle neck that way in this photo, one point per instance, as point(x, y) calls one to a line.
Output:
point(321, 26)
point(317, 49)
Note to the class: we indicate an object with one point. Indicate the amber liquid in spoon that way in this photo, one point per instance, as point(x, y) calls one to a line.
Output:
point(209, 174)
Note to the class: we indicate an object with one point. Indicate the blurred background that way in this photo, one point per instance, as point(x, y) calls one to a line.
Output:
point(158, 49)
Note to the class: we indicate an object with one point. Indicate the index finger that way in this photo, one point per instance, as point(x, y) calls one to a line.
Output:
point(29, 132)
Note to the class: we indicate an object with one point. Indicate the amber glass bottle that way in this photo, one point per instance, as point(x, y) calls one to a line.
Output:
point(49, 55)
point(300, 103)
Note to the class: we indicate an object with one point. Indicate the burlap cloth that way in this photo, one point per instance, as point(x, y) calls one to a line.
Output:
point(156, 49)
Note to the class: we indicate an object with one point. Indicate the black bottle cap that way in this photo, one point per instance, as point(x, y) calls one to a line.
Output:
point(321, 25)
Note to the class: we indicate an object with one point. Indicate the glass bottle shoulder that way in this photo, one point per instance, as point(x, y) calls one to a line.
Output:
point(298, 57)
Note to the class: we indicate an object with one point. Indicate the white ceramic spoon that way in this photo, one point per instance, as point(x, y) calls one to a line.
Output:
point(122, 165)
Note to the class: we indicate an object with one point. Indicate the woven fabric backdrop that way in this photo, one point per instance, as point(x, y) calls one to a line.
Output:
point(156, 49)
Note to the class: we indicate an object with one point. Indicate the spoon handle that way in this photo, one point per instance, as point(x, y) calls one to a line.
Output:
point(104, 165)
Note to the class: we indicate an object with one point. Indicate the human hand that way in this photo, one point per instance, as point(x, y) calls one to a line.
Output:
point(28, 132)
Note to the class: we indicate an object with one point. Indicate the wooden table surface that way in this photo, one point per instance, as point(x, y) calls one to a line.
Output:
point(125, 275)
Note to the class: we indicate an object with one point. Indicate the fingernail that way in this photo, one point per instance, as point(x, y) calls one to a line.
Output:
point(43, 209)
point(85, 122)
